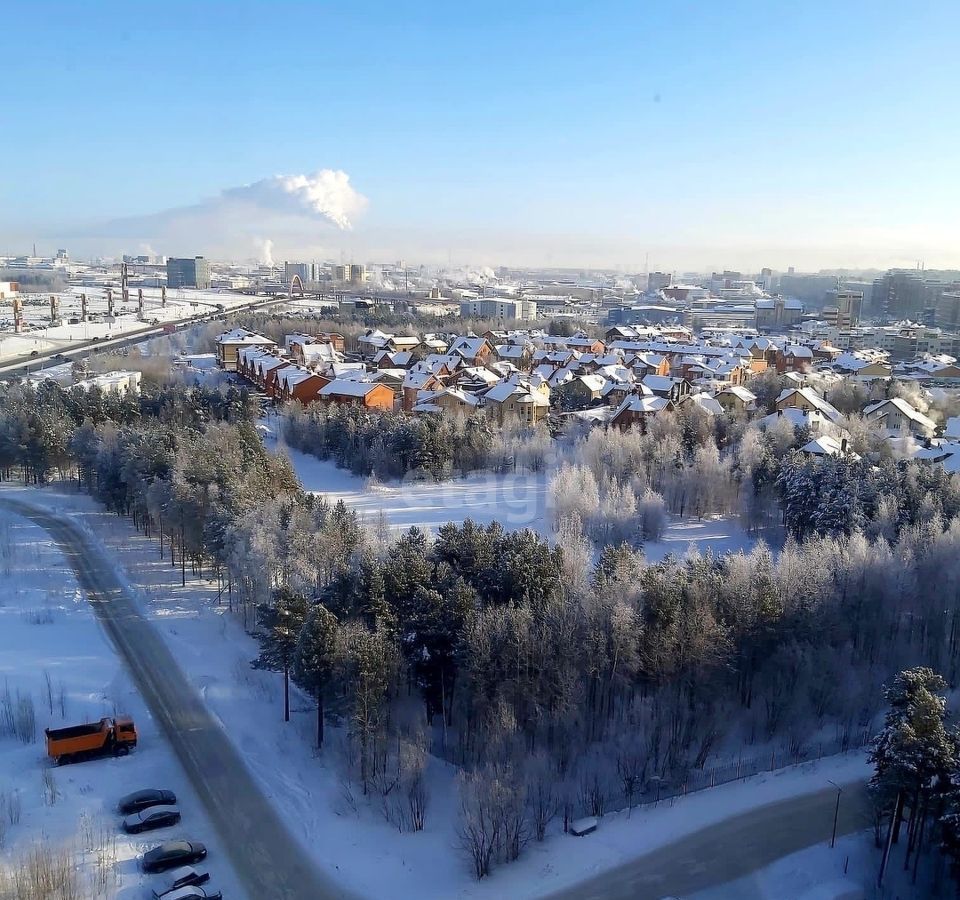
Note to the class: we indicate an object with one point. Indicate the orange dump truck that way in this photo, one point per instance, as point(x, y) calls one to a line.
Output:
point(116, 736)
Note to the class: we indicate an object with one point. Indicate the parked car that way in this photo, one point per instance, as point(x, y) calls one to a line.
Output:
point(141, 800)
point(173, 854)
point(193, 893)
point(151, 819)
point(185, 876)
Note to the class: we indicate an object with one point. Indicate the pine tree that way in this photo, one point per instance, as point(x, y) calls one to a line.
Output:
point(915, 754)
point(314, 657)
point(281, 623)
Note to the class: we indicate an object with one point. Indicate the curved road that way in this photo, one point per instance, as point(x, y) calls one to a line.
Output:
point(729, 850)
point(267, 858)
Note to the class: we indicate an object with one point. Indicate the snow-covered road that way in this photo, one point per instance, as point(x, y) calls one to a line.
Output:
point(250, 827)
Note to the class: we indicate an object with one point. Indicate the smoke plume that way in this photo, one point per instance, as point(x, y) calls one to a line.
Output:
point(298, 211)
point(327, 195)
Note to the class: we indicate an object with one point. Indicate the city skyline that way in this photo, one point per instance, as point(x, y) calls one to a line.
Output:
point(679, 139)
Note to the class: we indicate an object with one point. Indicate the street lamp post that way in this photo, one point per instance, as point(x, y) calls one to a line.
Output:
point(836, 814)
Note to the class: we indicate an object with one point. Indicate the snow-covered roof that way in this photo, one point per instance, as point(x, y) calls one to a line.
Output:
point(814, 399)
point(467, 346)
point(645, 405)
point(293, 375)
point(827, 445)
point(706, 403)
point(242, 336)
point(740, 393)
point(659, 382)
point(344, 388)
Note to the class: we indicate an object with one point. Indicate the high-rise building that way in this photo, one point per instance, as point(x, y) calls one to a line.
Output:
point(302, 270)
point(188, 272)
point(899, 294)
point(948, 309)
point(843, 309)
point(658, 280)
point(357, 274)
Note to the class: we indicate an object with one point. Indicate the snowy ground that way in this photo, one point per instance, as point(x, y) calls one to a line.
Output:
point(516, 499)
point(47, 629)
point(846, 872)
point(348, 839)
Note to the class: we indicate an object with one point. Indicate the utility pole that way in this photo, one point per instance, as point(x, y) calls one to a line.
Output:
point(836, 814)
point(897, 807)
point(124, 285)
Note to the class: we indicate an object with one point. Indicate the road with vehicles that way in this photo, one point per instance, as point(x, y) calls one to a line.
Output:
point(730, 849)
point(265, 855)
point(68, 351)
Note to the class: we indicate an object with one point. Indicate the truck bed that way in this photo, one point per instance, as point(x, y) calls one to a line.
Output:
point(74, 731)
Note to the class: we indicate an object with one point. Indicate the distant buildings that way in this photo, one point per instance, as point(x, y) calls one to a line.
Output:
point(499, 308)
point(354, 274)
point(188, 272)
point(810, 289)
point(900, 294)
point(778, 312)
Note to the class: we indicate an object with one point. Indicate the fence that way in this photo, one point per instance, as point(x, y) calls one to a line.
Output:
point(657, 789)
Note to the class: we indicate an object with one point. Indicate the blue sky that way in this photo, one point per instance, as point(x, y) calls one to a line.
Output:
point(702, 134)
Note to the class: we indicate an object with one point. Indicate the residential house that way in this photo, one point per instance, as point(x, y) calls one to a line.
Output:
point(448, 400)
point(897, 416)
point(637, 409)
point(475, 351)
point(827, 445)
point(416, 383)
point(299, 384)
point(703, 401)
point(579, 391)
point(863, 365)
point(520, 398)
point(358, 393)
point(737, 399)
point(231, 342)
point(796, 358)
point(808, 400)
point(673, 389)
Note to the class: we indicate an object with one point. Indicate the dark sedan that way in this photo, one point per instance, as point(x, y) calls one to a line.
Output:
point(172, 854)
point(141, 800)
point(151, 819)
